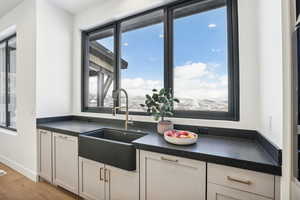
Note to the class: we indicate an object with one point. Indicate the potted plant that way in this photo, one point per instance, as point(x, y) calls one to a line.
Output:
point(160, 105)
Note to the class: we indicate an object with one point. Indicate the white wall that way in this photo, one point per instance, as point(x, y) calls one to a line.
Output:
point(19, 149)
point(249, 76)
point(54, 60)
point(271, 69)
point(44, 77)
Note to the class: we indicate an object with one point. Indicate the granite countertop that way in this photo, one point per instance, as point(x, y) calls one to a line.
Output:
point(235, 152)
point(77, 127)
point(232, 151)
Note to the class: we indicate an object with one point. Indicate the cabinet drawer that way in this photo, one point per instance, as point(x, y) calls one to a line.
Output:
point(241, 179)
point(165, 177)
point(218, 192)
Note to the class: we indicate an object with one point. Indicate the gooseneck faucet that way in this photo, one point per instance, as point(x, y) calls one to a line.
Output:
point(114, 110)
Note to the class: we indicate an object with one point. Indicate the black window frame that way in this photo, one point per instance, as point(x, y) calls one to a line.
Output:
point(233, 113)
point(7, 68)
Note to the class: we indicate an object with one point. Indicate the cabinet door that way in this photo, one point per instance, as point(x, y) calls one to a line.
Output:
point(217, 192)
point(91, 179)
point(65, 162)
point(45, 154)
point(121, 184)
point(169, 177)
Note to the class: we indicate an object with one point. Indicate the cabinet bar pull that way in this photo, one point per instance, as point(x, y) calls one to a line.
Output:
point(238, 180)
point(101, 179)
point(168, 159)
point(63, 137)
point(105, 175)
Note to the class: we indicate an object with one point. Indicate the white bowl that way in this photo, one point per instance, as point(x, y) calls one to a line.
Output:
point(181, 141)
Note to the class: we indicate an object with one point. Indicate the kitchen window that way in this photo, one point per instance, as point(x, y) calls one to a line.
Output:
point(188, 46)
point(8, 50)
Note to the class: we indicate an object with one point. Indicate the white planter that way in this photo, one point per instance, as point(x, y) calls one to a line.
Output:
point(163, 126)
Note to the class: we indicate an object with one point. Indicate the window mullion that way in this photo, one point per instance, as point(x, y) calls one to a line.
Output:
point(85, 69)
point(168, 48)
point(117, 41)
point(6, 83)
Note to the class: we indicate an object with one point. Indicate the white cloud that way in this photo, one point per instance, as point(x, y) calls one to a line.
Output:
point(212, 25)
point(194, 80)
point(125, 44)
point(199, 81)
point(161, 35)
point(215, 50)
point(140, 86)
point(191, 70)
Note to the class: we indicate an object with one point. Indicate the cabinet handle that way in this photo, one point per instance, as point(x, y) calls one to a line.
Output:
point(63, 137)
point(105, 175)
point(101, 179)
point(246, 182)
point(43, 132)
point(168, 159)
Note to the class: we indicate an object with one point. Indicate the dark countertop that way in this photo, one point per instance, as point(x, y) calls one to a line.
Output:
point(235, 152)
point(232, 151)
point(72, 127)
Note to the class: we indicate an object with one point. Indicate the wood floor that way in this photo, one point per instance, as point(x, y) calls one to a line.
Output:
point(14, 186)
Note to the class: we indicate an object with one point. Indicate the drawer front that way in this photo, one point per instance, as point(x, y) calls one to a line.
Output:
point(165, 177)
point(218, 192)
point(245, 180)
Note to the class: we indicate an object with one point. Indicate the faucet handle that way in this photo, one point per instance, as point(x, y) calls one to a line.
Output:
point(130, 121)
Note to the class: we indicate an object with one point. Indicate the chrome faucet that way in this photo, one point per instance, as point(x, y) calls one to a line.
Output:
point(114, 110)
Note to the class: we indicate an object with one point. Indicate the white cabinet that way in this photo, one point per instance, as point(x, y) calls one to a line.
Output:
point(91, 179)
point(45, 154)
point(218, 192)
point(226, 183)
point(121, 184)
point(65, 161)
point(103, 182)
point(170, 177)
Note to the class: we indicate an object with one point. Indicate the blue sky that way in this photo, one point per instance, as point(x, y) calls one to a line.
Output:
point(197, 38)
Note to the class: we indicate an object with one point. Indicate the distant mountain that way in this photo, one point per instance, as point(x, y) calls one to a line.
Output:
point(185, 104)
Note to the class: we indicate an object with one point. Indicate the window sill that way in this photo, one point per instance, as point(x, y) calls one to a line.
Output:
point(200, 115)
point(8, 131)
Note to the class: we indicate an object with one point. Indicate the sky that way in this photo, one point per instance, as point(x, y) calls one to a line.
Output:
point(200, 57)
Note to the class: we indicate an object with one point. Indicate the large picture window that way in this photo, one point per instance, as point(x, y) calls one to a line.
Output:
point(8, 49)
point(190, 47)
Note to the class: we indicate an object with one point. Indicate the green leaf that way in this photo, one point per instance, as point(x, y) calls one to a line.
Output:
point(142, 105)
point(154, 90)
point(162, 91)
point(155, 97)
point(169, 113)
point(176, 100)
point(148, 97)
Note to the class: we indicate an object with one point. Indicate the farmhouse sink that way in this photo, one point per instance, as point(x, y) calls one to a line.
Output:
point(110, 146)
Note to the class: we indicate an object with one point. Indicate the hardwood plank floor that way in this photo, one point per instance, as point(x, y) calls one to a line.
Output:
point(14, 186)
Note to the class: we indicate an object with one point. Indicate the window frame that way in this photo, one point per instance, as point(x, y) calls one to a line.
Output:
point(233, 113)
point(7, 67)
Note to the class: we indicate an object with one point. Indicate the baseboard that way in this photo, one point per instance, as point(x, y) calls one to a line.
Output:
point(19, 168)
